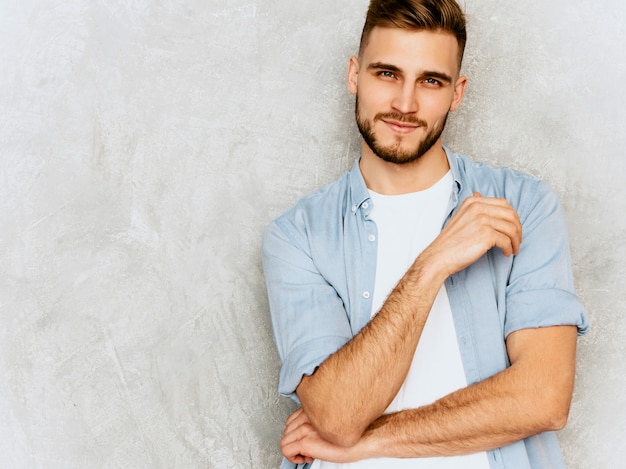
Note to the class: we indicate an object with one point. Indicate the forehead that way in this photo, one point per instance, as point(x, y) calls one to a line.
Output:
point(411, 49)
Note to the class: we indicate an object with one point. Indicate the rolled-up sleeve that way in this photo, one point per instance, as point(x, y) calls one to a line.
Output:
point(541, 290)
point(308, 315)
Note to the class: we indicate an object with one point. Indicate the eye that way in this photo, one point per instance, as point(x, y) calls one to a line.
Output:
point(432, 82)
point(386, 74)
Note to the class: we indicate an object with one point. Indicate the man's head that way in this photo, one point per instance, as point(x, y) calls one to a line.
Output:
point(407, 75)
point(417, 15)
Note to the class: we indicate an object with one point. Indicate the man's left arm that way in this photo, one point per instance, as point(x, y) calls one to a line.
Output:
point(533, 395)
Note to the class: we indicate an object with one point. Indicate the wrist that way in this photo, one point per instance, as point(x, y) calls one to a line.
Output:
point(433, 270)
point(368, 447)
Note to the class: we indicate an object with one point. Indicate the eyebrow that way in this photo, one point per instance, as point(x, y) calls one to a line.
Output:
point(383, 66)
point(425, 74)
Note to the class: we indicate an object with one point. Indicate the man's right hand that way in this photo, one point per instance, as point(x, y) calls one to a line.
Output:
point(479, 224)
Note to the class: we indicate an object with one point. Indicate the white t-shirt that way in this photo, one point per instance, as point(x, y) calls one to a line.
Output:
point(407, 224)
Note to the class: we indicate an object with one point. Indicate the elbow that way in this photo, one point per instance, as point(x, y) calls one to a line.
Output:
point(558, 418)
point(331, 420)
point(555, 411)
point(337, 431)
point(335, 428)
point(345, 438)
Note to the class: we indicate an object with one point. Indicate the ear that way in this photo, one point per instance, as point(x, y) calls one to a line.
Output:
point(459, 92)
point(353, 74)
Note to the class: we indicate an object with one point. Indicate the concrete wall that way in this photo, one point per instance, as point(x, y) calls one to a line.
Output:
point(144, 145)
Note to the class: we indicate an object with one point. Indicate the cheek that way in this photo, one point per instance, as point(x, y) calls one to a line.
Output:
point(436, 104)
point(373, 100)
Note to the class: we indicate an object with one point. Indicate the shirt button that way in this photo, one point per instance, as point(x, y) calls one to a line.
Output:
point(366, 295)
point(354, 208)
point(366, 205)
point(372, 238)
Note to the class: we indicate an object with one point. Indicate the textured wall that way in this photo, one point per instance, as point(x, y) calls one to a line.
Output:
point(144, 145)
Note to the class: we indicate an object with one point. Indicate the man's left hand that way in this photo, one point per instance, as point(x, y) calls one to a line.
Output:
point(302, 444)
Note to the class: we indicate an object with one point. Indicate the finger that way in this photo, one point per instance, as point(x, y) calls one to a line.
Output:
point(294, 416)
point(505, 244)
point(505, 234)
point(294, 444)
point(299, 459)
point(294, 458)
point(296, 422)
point(494, 208)
point(293, 455)
point(512, 229)
point(289, 438)
point(475, 205)
point(477, 197)
point(296, 432)
point(487, 215)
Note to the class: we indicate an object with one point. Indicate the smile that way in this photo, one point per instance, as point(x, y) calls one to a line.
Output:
point(400, 127)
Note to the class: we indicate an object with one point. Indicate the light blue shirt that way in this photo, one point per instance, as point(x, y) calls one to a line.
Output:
point(319, 260)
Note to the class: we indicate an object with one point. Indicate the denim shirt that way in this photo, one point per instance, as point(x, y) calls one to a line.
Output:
point(319, 260)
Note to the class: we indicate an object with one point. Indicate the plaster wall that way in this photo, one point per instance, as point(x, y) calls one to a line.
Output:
point(145, 145)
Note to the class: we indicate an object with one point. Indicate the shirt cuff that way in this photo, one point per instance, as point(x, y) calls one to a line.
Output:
point(304, 360)
point(544, 308)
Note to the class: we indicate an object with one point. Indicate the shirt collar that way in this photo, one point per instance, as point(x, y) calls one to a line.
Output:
point(358, 190)
point(359, 193)
point(454, 162)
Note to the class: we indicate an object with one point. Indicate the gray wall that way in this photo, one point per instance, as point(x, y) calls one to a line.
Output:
point(144, 146)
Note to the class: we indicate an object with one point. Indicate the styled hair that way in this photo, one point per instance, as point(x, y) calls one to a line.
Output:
point(429, 15)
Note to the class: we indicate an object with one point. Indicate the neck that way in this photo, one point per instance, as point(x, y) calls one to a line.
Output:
point(396, 179)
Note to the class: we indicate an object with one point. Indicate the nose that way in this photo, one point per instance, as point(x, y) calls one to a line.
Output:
point(405, 100)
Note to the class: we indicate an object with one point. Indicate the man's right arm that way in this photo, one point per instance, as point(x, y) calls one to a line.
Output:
point(355, 385)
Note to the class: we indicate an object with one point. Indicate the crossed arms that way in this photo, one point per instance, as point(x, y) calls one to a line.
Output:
point(342, 402)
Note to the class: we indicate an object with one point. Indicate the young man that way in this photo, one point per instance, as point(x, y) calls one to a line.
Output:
point(417, 327)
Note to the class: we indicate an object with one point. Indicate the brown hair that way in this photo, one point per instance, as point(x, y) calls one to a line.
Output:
point(430, 15)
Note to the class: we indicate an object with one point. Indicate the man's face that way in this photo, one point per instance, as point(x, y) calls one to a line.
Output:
point(405, 82)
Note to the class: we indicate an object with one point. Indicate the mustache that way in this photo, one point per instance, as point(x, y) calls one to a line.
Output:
point(396, 116)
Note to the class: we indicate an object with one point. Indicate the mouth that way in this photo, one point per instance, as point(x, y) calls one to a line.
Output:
point(400, 127)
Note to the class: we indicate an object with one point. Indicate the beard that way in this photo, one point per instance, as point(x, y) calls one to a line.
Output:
point(393, 153)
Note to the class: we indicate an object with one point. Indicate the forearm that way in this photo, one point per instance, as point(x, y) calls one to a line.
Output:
point(355, 385)
point(471, 420)
point(530, 397)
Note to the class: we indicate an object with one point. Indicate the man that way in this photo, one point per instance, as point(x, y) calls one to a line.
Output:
point(417, 327)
